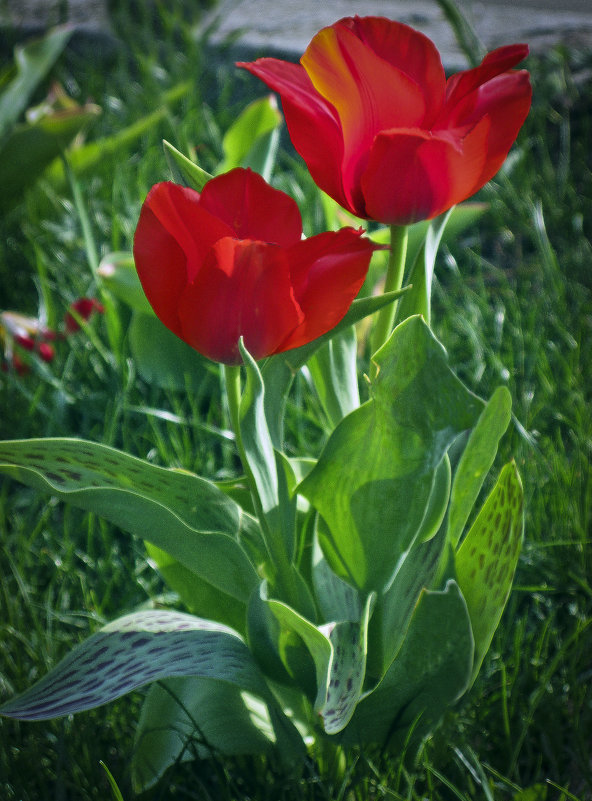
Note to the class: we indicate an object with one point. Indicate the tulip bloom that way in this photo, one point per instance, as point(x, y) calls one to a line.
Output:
point(381, 130)
point(230, 262)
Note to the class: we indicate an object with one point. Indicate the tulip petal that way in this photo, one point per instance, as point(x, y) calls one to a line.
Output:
point(414, 175)
point(312, 122)
point(494, 63)
point(243, 289)
point(368, 94)
point(327, 272)
point(252, 208)
point(409, 51)
point(167, 250)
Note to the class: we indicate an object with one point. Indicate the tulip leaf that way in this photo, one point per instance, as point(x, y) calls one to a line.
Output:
point(431, 671)
point(487, 558)
point(162, 358)
point(184, 170)
point(338, 650)
point(255, 435)
point(373, 481)
point(188, 716)
point(185, 515)
point(249, 142)
point(337, 599)
point(33, 61)
point(334, 371)
point(132, 651)
point(396, 605)
point(418, 299)
point(476, 460)
point(199, 597)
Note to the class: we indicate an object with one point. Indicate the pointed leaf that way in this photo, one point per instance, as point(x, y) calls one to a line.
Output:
point(373, 481)
point(131, 652)
point(487, 558)
point(183, 514)
point(255, 123)
point(255, 435)
point(393, 609)
point(184, 170)
point(431, 671)
point(477, 459)
point(334, 371)
point(419, 298)
point(339, 654)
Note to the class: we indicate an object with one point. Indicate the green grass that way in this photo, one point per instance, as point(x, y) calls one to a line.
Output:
point(513, 304)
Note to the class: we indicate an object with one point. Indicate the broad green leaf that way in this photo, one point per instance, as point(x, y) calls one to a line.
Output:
point(30, 147)
point(394, 608)
point(185, 717)
point(418, 299)
point(199, 597)
point(486, 560)
point(185, 515)
point(184, 170)
point(132, 651)
point(431, 671)
point(338, 650)
point(334, 371)
point(118, 273)
point(33, 61)
point(476, 460)
point(373, 481)
point(162, 358)
point(254, 125)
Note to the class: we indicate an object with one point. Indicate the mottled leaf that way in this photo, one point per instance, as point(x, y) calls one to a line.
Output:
point(431, 671)
point(339, 654)
point(183, 514)
point(476, 460)
point(131, 652)
point(486, 560)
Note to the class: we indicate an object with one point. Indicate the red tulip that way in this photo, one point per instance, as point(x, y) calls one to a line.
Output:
point(382, 131)
point(231, 262)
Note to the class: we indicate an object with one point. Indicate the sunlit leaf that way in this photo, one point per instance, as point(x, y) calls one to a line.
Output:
point(486, 560)
point(179, 512)
point(373, 481)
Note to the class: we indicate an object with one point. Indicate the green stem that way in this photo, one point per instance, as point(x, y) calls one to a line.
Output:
point(394, 281)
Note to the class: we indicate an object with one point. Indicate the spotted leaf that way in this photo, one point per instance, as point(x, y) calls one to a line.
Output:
point(186, 516)
point(131, 652)
point(486, 560)
point(339, 654)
